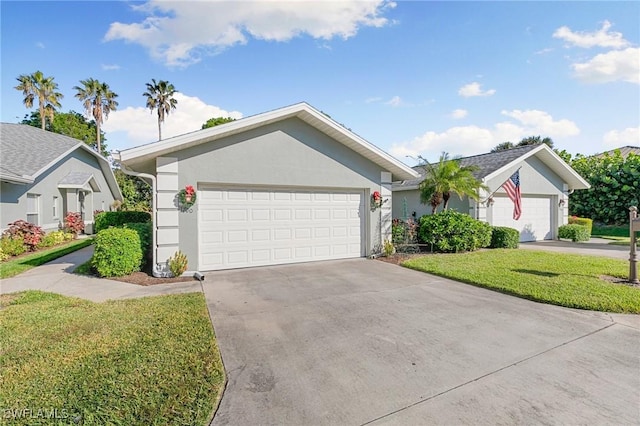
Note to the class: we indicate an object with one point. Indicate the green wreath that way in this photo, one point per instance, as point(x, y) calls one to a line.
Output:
point(187, 197)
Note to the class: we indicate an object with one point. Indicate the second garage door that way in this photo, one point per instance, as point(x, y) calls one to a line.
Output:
point(536, 220)
point(240, 227)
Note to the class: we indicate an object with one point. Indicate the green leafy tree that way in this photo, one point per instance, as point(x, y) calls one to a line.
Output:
point(98, 101)
point(136, 193)
point(160, 97)
point(530, 140)
point(43, 89)
point(615, 186)
point(216, 121)
point(446, 177)
point(72, 124)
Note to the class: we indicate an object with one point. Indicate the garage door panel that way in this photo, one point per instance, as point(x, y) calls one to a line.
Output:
point(241, 227)
point(535, 222)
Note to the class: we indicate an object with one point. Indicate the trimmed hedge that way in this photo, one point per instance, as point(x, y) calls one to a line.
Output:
point(504, 237)
point(117, 252)
point(144, 233)
point(104, 220)
point(574, 232)
point(584, 221)
point(450, 231)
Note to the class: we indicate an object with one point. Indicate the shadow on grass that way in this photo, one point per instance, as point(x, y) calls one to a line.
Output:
point(538, 273)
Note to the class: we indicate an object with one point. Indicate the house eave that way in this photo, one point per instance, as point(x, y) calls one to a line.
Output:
point(303, 111)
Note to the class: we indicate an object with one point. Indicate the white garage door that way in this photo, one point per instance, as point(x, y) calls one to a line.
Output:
point(536, 220)
point(255, 227)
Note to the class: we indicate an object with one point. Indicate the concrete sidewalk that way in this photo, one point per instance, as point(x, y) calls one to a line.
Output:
point(57, 277)
point(594, 247)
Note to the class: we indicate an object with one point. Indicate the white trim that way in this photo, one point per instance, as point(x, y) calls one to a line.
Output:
point(302, 110)
point(562, 169)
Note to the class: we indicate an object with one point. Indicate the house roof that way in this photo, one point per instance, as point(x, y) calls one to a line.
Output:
point(26, 152)
point(302, 111)
point(494, 163)
point(624, 151)
point(80, 180)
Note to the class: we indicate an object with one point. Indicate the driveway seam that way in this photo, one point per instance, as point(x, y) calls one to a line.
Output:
point(488, 374)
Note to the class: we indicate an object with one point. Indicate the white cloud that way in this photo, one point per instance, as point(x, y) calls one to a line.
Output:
point(474, 89)
point(619, 138)
point(110, 67)
point(471, 140)
point(396, 101)
point(458, 114)
point(615, 65)
point(599, 38)
point(40, 45)
point(373, 100)
point(180, 33)
point(139, 125)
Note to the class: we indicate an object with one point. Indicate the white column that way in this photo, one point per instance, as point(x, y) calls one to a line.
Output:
point(386, 209)
point(167, 210)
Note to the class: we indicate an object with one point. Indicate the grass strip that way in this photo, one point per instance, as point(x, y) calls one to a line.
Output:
point(560, 279)
point(13, 267)
point(148, 361)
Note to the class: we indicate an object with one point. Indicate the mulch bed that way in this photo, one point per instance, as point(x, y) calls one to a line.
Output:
point(398, 258)
point(146, 279)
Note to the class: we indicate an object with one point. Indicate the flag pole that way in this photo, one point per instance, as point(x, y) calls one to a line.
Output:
point(500, 186)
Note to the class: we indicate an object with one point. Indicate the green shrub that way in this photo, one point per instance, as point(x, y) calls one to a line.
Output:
point(29, 233)
point(450, 231)
point(12, 246)
point(104, 220)
point(3, 256)
point(144, 232)
point(178, 263)
point(53, 239)
point(117, 252)
point(504, 237)
point(584, 221)
point(574, 232)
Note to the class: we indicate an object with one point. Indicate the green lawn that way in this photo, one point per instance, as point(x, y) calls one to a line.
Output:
point(17, 266)
point(148, 361)
point(555, 278)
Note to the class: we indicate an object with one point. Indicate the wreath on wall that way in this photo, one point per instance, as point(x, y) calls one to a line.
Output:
point(187, 197)
point(376, 201)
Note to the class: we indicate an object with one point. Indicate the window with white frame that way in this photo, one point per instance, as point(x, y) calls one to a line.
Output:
point(33, 209)
point(56, 207)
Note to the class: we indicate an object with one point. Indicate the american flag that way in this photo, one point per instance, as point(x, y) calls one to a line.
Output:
point(512, 187)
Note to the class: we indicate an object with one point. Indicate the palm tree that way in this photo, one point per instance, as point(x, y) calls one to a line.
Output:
point(43, 88)
point(98, 101)
point(447, 177)
point(160, 96)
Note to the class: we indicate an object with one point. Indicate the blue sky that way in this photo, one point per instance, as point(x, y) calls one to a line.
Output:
point(414, 78)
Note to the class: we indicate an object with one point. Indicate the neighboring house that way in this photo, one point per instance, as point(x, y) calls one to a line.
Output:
point(624, 151)
point(44, 175)
point(545, 183)
point(286, 186)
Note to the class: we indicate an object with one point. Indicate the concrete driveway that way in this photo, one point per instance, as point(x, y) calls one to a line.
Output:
point(365, 342)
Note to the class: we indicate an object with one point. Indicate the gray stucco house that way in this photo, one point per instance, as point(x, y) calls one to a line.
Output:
point(286, 186)
point(44, 175)
point(545, 183)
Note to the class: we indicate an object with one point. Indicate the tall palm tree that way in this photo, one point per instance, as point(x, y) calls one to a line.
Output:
point(43, 88)
point(447, 177)
point(98, 101)
point(160, 97)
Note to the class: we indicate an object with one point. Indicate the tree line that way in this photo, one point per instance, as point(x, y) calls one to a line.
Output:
point(96, 97)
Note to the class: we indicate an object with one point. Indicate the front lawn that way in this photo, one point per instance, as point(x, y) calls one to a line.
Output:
point(149, 361)
point(18, 265)
point(560, 279)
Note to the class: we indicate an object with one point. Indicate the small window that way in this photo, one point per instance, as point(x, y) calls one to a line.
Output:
point(33, 209)
point(56, 208)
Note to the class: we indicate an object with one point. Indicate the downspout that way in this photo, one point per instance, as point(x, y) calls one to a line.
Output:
point(155, 271)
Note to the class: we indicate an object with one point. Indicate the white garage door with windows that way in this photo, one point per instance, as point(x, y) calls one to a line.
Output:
point(536, 220)
point(242, 227)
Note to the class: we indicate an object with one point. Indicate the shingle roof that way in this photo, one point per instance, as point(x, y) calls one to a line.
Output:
point(25, 150)
point(75, 178)
point(486, 163)
point(624, 151)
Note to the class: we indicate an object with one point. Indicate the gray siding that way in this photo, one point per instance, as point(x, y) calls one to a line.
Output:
point(13, 198)
point(287, 154)
point(536, 179)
